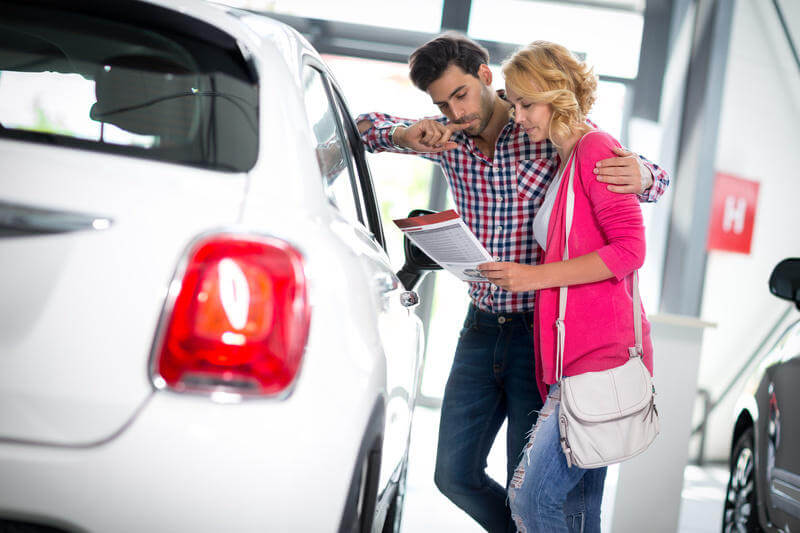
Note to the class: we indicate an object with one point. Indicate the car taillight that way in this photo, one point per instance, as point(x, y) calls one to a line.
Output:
point(240, 320)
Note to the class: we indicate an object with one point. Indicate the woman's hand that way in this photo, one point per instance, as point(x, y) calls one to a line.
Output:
point(513, 277)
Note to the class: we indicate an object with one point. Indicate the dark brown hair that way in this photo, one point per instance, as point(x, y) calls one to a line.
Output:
point(429, 61)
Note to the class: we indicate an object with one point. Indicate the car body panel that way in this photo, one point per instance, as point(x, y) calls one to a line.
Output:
point(140, 480)
point(771, 401)
point(72, 370)
point(779, 433)
point(89, 440)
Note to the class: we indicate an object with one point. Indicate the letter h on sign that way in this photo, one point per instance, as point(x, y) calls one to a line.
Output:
point(733, 213)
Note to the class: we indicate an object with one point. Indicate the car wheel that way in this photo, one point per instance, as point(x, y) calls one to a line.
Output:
point(395, 513)
point(741, 514)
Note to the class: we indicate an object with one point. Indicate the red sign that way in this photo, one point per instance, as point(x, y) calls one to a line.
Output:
point(733, 212)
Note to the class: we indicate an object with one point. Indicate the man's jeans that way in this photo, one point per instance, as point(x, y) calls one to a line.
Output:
point(545, 495)
point(492, 377)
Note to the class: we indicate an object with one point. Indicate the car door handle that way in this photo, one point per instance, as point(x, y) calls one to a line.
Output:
point(23, 220)
point(409, 298)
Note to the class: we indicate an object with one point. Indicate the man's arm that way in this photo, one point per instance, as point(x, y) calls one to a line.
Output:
point(426, 137)
point(632, 173)
point(375, 129)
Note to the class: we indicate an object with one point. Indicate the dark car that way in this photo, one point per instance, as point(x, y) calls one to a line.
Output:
point(764, 487)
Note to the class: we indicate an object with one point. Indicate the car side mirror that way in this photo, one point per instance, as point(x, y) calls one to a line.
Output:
point(417, 262)
point(785, 280)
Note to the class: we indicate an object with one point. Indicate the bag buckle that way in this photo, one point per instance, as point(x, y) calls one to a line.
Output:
point(635, 351)
point(562, 422)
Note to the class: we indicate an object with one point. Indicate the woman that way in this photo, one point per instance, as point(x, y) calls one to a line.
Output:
point(552, 93)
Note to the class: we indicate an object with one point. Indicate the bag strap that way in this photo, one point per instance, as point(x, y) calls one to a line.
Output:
point(637, 350)
point(634, 351)
point(562, 291)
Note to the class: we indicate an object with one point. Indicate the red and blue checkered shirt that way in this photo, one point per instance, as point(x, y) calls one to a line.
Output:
point(497, 198)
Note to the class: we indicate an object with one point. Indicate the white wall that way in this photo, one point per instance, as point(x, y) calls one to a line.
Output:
point(758, 140)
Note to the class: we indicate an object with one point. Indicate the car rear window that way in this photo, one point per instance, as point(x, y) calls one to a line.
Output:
point(175, 90)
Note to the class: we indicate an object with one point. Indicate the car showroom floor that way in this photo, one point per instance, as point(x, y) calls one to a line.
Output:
point(427, 510)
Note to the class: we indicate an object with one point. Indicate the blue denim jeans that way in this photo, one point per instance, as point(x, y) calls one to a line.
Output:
point(546, 495)
point(492, 378)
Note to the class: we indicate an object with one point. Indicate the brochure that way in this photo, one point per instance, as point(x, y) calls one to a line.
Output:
point(446, 239)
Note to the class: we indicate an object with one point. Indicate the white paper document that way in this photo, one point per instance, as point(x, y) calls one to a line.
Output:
point(446, 239)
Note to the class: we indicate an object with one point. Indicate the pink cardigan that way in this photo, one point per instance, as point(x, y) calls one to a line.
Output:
point(599, 316)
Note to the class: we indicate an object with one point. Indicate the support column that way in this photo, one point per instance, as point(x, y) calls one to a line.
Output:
point(455, 15)
point(685, 260)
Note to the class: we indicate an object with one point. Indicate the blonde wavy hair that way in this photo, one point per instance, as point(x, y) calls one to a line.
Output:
point(545, 72)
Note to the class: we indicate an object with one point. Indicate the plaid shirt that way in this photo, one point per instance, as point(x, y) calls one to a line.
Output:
point(497, 198)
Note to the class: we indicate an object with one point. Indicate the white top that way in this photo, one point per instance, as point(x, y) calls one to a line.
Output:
point(542, 219)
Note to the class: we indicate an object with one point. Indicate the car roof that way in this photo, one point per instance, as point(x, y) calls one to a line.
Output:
point(244, 25)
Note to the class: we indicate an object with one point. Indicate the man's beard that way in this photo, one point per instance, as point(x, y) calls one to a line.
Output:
point(471, 131)
point(483, 120)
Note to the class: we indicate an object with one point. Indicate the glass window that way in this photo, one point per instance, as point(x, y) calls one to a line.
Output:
point(790, 344)
point(609, 38)
point(332, 154)
point(415, 15)
point(609, 108)
point(90, 82)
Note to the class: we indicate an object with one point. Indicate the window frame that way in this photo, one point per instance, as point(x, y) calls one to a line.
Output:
point(339, 132)
point(363, 188)
point(363, 172)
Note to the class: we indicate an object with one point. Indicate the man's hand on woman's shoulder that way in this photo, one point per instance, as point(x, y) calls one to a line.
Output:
point(625, 173)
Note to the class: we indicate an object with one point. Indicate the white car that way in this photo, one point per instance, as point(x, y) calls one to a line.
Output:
point(200, 329)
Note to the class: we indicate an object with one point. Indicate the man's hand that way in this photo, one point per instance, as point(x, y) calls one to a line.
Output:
point(363, 126)
point(625, 174)
point(513, 277)
point(427, 136)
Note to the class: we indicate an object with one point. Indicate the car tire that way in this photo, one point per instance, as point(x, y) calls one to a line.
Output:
point(394, 515)
point(740, 512)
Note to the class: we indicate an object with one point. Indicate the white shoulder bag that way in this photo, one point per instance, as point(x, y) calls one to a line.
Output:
point(610, 416)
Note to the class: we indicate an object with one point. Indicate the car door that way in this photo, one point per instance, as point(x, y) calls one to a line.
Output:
point(782, 437)
point(400, 330)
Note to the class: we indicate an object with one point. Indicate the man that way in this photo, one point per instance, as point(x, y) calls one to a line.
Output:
point(498, 179)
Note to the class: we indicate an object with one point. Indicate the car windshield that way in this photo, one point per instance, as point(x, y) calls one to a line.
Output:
point(100, 83)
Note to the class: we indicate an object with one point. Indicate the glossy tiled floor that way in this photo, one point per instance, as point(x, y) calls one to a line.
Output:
point(426, 510)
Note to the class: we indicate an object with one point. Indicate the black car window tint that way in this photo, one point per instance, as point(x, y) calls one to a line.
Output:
point(84, 81)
